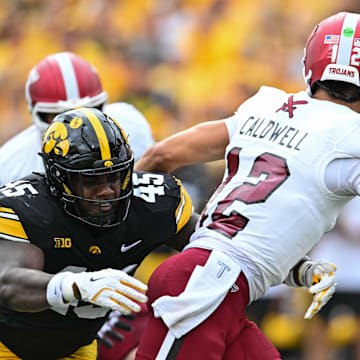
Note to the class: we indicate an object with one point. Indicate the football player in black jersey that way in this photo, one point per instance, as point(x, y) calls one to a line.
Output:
point(69, 238)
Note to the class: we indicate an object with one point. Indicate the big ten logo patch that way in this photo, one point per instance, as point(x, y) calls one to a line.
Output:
point(62, 243)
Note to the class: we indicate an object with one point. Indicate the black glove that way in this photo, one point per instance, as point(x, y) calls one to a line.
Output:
point(107, 333)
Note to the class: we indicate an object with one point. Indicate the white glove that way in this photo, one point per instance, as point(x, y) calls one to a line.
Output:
point(321, 281)
point(107, 288)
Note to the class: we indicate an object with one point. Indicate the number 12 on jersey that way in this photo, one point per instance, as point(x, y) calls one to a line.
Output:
point(267, 174)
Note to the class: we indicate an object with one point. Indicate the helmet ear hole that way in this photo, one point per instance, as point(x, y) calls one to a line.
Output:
point(55, 177)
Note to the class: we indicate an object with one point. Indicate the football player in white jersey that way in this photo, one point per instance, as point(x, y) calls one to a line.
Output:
point(59, 82)
point(292, 163)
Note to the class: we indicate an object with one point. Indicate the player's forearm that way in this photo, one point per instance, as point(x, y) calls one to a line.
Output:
point(169, 154)
point(202, 143)
point(24, 289)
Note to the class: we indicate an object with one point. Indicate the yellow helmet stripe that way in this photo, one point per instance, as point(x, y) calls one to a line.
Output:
point(12, 228)
point(120, 128)
point(100, 133)
point(184, 209)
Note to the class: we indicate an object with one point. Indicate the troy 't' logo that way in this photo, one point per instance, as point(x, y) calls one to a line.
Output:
point(223, 268)
point(289, 107)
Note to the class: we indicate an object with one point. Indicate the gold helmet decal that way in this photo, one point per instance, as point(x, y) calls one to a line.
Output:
point(76, 123)
point(55, 139)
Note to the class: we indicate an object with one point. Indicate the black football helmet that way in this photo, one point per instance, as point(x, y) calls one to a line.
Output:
point(84, 147)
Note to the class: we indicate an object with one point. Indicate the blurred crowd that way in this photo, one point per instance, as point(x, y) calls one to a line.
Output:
point(178, 61)
point(181, 62)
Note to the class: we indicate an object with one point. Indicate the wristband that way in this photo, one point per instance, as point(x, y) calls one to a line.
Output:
point(303, 273)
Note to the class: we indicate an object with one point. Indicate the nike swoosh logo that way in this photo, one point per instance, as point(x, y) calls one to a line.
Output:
point(96, 279)
point(125, 248)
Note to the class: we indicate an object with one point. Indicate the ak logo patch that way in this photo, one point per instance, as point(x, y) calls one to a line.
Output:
point(289, 107)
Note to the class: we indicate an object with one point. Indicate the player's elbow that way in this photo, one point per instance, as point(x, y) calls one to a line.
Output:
point(156, 158)
point(163, 157)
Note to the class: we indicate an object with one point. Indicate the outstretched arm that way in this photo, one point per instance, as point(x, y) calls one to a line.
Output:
point(201, 143)
point(25, 287)
point(22, 283)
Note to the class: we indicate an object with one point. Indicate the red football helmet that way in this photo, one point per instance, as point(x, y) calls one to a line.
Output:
point(61, 82)
point(332, 51)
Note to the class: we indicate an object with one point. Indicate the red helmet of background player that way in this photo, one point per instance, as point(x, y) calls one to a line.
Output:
point(332, 51)
point(61, 82)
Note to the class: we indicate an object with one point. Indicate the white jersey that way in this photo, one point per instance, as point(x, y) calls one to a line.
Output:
point(273, 205)
point(19, 156)
point(135, 126)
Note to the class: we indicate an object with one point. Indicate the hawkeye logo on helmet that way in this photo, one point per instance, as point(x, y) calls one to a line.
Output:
point(55, 139)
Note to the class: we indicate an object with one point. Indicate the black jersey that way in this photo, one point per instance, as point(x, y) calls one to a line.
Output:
point(159, 208)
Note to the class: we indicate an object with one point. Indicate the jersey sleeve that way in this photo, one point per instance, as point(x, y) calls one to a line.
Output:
point(184, 209)
point(342, 177)
point(231, 124)
point(11, 227)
